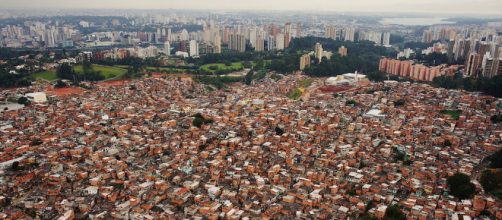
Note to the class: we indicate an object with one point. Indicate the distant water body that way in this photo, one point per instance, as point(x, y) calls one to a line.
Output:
point(415, 21)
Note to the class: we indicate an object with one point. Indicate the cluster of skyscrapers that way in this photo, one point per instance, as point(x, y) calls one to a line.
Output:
point(350, 34)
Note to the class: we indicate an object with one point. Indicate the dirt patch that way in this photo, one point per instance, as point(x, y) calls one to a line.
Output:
point(65, 91)
point(332, 89)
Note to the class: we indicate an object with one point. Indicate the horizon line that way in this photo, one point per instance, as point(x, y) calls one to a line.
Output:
point(464, 14)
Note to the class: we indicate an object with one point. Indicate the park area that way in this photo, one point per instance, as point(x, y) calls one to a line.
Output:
point(222, 67)
point(46, 75)
point(109, 72)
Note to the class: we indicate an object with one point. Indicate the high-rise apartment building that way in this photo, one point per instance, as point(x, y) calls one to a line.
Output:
point(167, 48)
point(491, 66)
point(270, 42)
point(298, 30)
point(472, 65)
point(386, 39)
point(217, 43)
point(304, 61)
point(349, 34)
point(427, 37)
point(237, 42)
point(342, 51)
point(318, 52)
point(330, 32)
point(375, 37)
point(279, 42)
point(252, 36)
point(260, 43)
point(194, 48)
point(288, 34)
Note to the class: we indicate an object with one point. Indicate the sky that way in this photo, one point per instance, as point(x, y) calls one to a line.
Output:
point(493, 7)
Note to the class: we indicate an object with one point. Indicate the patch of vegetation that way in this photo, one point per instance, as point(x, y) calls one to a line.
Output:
point(351, 102)
point(47, 75)
point(60, 84)
point(460, 186)
point(496, 119)
point(306, 82)
point(260, 75)
point(485, 213)
point(199, 120)
point(222, 68)
point(249, 78)
point(367, 217)
point(295, 94)
point(279, 131)
point(455, 114)
point(36, 142)
point(491, 180)
point(23, 101)
point(275, 76)
point(394, 212)
point(363, 56)
point(369, 205)
point(399, 102)
point(496, 160)
point(489, 86)
point(108, 72)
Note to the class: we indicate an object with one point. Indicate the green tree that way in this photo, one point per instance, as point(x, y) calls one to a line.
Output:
point(351, 102)
point(369, 205)
point(279, 131)
point(36, 142)
point(460, 186)
point(376, 76)
point(249, 78)
point(65, 71)
point(60, 84)
point(496, 160)
point(23, 101)
point(488, 181)
point(394, 212)
point(260, 64)
point(198, 122)
point(447, 143)
point(399, 102)
point(496, 119)
point(90, 74)
point(247, 64)
point(15, 166)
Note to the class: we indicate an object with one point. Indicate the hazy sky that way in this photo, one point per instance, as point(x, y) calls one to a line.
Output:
point(434, 6)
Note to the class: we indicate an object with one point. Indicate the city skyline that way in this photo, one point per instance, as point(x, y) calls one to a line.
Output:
point(427, 6)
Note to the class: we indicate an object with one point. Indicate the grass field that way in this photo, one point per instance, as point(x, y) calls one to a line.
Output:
point(108, 72)
point(221, 67)
point(306, 82)
point(455, 114)
point(47, 75)
point(295, 94)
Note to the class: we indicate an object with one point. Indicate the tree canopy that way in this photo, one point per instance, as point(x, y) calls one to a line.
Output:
point(394, 212)
point(488, 86)
point(460, 186)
